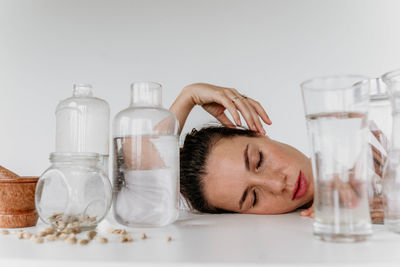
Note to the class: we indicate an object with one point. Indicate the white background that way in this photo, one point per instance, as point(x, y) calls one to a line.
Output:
point(263, 48)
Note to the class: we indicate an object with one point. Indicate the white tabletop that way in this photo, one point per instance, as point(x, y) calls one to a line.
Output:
point(231, 238)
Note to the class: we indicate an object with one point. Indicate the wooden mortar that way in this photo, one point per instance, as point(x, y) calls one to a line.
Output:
point(17, 200)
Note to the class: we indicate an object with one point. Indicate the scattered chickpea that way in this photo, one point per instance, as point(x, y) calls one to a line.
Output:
point(68, 231)
point(49, 230)
point(61, 224)
point(125, 238)
point(41, 234)
point(84, 242)
point(169, 239)
point(52, 237)
point(102, 240)
point(20, 235)
point(71, 240)
point(63, 236)
point(38, 240)
point(26, 235)
point(91, 234)
point(144, 236)
point(5, 232)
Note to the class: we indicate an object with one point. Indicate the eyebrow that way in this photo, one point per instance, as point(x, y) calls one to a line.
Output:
point(243, 197)
point(246, 158)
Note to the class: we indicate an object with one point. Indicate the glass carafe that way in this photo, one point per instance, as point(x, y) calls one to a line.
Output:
point(391, 176)
point(82, 124)
point(73, 190)
point(380, 126)
point(146, 160)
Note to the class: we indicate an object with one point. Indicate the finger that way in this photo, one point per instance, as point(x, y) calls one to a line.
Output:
point(260, 110)
point(222, 118)
point(227, 103)
point(256, 117)
point(357, 187)
point(243, 108)
point(348, 196)
point(305, 212)
point(308, 211)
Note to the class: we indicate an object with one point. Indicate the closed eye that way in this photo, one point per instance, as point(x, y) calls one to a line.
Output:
point(255, 198)
point(261, 156)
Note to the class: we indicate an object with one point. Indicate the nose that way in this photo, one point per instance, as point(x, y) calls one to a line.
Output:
point(274, 183)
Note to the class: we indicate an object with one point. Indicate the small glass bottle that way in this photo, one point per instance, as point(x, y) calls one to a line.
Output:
point(73, 190)
point(146, 160)
point(82, 124)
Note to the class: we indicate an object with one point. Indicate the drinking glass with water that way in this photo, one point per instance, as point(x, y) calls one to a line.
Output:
point(337, 119)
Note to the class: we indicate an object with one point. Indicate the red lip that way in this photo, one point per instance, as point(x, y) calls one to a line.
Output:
point(300, 187)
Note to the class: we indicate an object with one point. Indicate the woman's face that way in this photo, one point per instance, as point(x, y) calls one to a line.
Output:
point(257, 175)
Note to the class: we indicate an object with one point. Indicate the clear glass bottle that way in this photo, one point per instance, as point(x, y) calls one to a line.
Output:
point(391, 174)
point(73, 190)
point(82, 124)
point(380, 125)
point(146, 160)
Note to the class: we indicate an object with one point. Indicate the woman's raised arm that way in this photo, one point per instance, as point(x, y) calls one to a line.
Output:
point(215, 100)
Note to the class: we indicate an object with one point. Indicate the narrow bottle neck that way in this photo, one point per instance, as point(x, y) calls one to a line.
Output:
point(146, 94)
point(87, 159)
point(82, 90)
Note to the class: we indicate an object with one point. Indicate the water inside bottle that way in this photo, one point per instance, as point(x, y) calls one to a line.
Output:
point(146, 180)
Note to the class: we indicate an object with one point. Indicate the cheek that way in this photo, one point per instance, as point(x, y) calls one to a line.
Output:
point(276, 205)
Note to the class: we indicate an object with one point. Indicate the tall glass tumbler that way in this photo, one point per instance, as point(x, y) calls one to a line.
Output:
point(336, 110)
point(391, 174)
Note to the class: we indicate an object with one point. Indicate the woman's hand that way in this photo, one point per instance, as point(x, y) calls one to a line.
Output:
point(215, 100)
point(308, 212)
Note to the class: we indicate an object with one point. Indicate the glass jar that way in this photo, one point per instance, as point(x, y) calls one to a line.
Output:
point(391, 174)
point(82, 124)
point(146, 160)
point(380, 125)
point(73, 189)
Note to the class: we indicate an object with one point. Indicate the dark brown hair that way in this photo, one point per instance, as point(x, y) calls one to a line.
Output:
point(193, 159)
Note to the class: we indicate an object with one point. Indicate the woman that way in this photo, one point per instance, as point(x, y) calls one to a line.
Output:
point(224, 169)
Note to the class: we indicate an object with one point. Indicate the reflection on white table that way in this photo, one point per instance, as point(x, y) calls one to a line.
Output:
point(230, 238)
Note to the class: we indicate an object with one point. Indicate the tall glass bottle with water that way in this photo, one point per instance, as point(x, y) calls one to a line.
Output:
point(82, 124)
point(336, 109)
point(146, 160)
point(391, 180)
